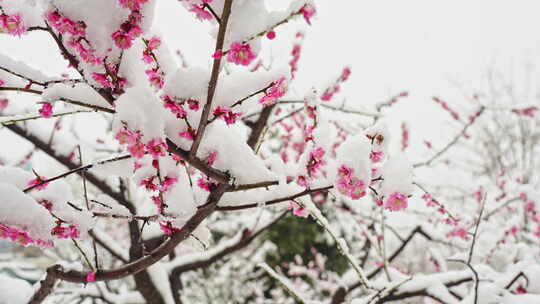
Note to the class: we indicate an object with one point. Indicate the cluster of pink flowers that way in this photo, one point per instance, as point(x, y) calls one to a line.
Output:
point(295, 53)
point(110, 79)
point(276, 91)
point(22, 237)
point(133, 140)
point(308, 11)
point(12, 24)
point(201, 12)
point(529, 111)
point(155, 77)
point(447, 108)
point(177, 107)
point(156, 147)
point(64, 232)
point(297, 209)
point(39, 181)
point(459, 232)
point(226, 114)
point(130, 29)
point(316, 160)
point(155, 74)
point(335, 88)
point(350, 185)
point(240, 53)
point(396, 201)
point(75, 31)
point(46, 110)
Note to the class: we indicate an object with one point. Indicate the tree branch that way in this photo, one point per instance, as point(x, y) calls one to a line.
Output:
point(213, 77)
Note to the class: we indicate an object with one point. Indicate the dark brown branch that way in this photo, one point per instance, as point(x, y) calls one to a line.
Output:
point(46, 286)
point(104, 245)
point(259, 126)
point(66, 161)
point(80, 170)
point(157, 254)
point(66, 100)
point(274, 201)
point(198, 163)
point(246, 239)
point(213, 77)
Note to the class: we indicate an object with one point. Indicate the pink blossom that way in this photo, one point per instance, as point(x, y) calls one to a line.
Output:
point(39, 182)
point(136, 149)
point(20, 236)
point(529, 111)
point(200, 12)
point(204, 184)
point(316, 160)
point(217, 54)
point(376, 156)
point(46, 110)
point(157, 147)
point(147, 57)
point(149, 184)
point(154, 78)
point(187, 135)
point(125, 136)
point(397, 201)
point(2, 82)
point(154, 43)
point(12, 24)
point(298, 210)
point(91, 277)
point(226, 114)
point(193, 104)
point(175, 108)
point(168, 228)
point(167, 183)
point(404, 136)
point(132, 4)
point(271, 35)
point(240, 53)
point(276, 91)
point(459, 232)
point(122, 39)
point(308, 11)
point(65, 232)
point(211, 159)
point(350, 185)
point(102, 79)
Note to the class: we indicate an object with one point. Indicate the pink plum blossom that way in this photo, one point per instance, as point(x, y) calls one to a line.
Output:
point(12, 24)
point(276, 91)
point(46, 110)
point(240, 53)
point(397, 201)
point(298, 210)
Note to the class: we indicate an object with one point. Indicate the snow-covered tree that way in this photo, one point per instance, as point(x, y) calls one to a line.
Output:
point(135, 177)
